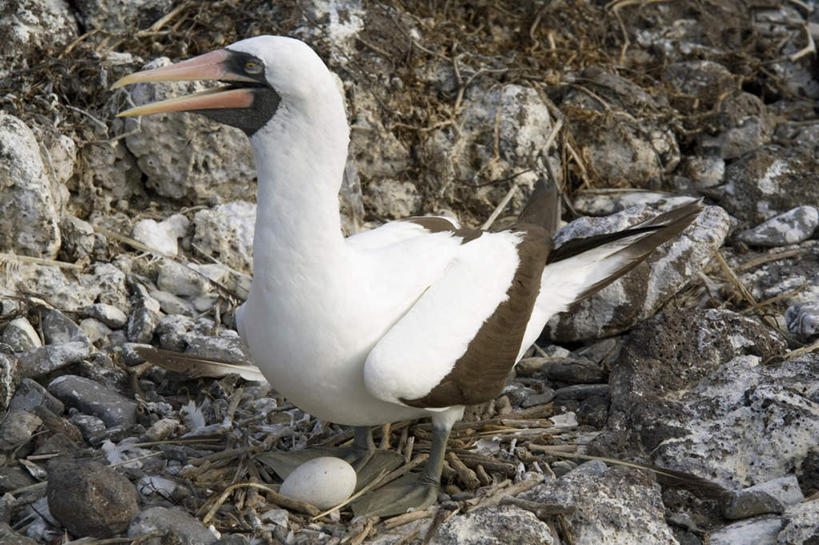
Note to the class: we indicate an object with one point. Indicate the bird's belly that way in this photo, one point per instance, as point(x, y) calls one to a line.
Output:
point(318, 370)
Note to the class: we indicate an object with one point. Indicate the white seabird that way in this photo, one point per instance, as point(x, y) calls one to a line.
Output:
point(416, 318)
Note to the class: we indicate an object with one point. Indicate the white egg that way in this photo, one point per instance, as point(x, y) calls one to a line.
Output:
point(324, 482)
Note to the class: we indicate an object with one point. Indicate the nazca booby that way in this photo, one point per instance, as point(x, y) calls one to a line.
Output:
point(416, 318)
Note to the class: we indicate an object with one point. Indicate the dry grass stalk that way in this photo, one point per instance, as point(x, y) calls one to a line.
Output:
point(406, 518)
point(272, 496)
point(503, 490)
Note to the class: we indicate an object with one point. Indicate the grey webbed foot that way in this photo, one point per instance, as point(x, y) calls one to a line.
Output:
point(409, 491)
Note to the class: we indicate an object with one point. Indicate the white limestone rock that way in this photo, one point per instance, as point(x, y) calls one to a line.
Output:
point(113, 169)
point(28, 217)
point(107, 314)
point(612, 505)
point(162, 236)
point(47, 359)
point(495, 526)
point(324, 482)
point(121, 16)
point(225, 233)
point(28, 26)
point(105, 283)
point(162, 521)
point(769, 497)
point(172, 304)
point(20, 335)
point(759, 531)
point(334, 24)
point(791, 227)
point(795, 278)
point(745, 126)
point(802, 319)
point(767, 417)
point(9, 377)
point(186, 156)
point(767, 182)
point(604, 204)
point(467, 154)
point(801, 524)
point(393, 199)
point(181, 280)
point(705, 171)
point(95, 330)
point(59, 153)
point(80, 241)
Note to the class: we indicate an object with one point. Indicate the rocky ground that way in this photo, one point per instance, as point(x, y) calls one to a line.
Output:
point(704, 360)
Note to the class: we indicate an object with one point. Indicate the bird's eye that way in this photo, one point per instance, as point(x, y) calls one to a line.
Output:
point(253, 67)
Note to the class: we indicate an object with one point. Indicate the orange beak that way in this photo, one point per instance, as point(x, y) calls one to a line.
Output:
point(208, 67)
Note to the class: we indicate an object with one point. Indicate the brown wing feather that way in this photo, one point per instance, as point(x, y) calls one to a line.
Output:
point(480, 374)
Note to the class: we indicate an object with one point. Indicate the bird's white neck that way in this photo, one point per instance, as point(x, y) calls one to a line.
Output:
point(300, 157)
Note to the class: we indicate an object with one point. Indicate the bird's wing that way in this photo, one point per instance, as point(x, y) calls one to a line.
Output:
point(456, 344)
point(396, 232)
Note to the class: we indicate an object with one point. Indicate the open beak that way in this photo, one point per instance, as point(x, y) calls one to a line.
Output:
point(208, 67)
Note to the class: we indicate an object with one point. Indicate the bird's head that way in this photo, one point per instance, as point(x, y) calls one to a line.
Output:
point(260, 74)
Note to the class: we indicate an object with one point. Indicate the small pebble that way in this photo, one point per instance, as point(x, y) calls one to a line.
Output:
point(802, 319)
point(768, 497)
point(46, 359)
point(20, 335)
point(17, 428)
point(561, 467)
point(172, 304)
point(59, 329)
point(95, 330)
point(324, 482)
point(180, 280)
point(793, 226)
point(94, 399)
point(141, 324)
point(31, 394)
point(565, 420)
point(759, 531)
point(572, 370)
point(90, 499)
point(90, 426)
point(166, 521)
point(162, 236)
point(706, 171)
point(9, 375)
point(12, 478)
point(539, 399)
point(107, 314)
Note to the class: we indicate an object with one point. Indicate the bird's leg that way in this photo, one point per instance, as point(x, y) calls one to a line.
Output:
point(414, 490)
point(363, 447)
point(435, 464)
point(367, 461)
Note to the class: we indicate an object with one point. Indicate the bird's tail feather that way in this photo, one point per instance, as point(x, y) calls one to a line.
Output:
point(600, 260)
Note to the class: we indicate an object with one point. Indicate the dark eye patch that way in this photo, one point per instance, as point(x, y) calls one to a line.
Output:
point(239, 62)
